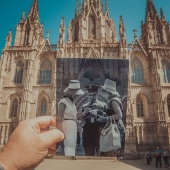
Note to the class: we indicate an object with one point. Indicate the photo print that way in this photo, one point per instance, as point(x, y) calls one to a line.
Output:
point(91, 104)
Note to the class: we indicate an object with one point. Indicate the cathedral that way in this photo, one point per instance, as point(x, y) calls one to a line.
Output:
point(28, 70)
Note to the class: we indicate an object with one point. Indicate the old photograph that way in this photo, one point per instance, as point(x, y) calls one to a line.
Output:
point(91, 104)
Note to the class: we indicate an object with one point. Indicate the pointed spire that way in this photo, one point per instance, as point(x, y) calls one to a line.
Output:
point(135, 31)
point(107, 6)
point(121, 27)
point(81, 6)
point(34, 12)
point(48, 34)
point(62, 32)
point(150, 10)
point(23, 17)
point(77, 9)
point(162, 15)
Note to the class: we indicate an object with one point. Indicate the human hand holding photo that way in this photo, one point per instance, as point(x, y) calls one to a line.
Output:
point(30, 143)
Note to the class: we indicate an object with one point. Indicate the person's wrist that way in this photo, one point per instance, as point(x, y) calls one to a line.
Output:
point(6, 161)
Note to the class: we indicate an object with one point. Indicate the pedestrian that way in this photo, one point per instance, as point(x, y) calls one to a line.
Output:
point(67, 117)
point(158, 154)
point(147, 156)
point(166, 157)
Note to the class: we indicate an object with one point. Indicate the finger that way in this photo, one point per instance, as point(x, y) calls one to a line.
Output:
point(53, 147)
point(44, 121)
point(51, 137)
point(51, 152)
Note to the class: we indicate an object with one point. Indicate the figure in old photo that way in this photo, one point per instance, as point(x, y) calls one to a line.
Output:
point(67, 117)
point(92, 128)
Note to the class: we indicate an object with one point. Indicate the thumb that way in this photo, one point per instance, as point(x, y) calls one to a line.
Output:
point(51, 137)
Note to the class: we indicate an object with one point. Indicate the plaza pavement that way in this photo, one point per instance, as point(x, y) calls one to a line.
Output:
point(55, 164)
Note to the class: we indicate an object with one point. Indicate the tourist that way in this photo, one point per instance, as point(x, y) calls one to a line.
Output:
point(147, 156)
point(158, 154)
point(30, 143)
point(67, 117)
point(166, 157)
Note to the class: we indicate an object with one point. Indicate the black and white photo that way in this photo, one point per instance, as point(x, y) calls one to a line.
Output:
point(91, 104)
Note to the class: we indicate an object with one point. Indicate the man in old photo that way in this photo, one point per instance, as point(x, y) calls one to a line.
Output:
point(92, 129)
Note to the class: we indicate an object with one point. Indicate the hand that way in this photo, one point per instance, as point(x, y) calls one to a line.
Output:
point(102, 119)
point(30, 143)
point(87, 110)
point(93, 112)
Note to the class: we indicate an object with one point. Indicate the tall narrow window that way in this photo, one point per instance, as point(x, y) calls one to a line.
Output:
point(19, 72)
point(45, 72)
point(140, 108)
point(26, 38)
point(43, 108)
point(14, 108)
point(92, 27)
point(159, 35)
point(168, 102)
point(76, 32)
point(166, 71)
point(137, 71)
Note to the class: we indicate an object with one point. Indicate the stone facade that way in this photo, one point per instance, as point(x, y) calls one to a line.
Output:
point(91, 34)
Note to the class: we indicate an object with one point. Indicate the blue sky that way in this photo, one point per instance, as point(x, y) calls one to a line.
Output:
point(51, 12)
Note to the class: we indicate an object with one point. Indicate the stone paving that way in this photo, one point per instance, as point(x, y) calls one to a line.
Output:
point(97, 165)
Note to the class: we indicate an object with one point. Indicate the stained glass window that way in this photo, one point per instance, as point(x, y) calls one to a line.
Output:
point(45, 72)
point(43, 108)
point(140, 108)
point(14, 108)
point(166, 71)
point(137, 71)
point(19, 72)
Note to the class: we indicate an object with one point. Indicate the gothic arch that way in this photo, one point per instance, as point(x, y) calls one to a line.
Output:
point(145, 62)
point(137, 71)
point(144, 99)
point(10, 100)
point(19, 71)
point(91, 27)
point(165, 65)
point(42, 97)
point(38, 63)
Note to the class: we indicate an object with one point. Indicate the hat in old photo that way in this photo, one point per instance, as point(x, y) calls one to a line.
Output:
point(74, 88)
point(110, 86)
point(92, 89)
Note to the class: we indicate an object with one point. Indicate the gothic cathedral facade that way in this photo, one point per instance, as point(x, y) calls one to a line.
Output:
point(28, 70)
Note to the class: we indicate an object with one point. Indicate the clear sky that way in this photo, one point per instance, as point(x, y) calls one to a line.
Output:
point(51, 12)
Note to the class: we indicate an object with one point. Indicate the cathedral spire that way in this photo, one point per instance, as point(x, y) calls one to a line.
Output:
point(62, 32)
point(107, 8)
point(121, 28)
point(162, 15)
point(150, 10)
point(77, 9)
point(34, 12)
point(23, 17)
point(107, 5)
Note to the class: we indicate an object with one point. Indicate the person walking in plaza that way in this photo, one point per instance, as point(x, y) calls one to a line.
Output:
point(158, 154)
point(147, 156)
point(166, 157)
point(67, 117)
